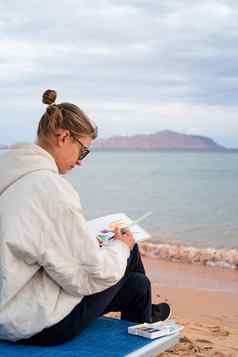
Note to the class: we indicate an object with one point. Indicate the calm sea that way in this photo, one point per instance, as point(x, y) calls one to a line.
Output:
point(193, 196)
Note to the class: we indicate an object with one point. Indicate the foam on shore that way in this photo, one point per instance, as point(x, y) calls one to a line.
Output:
point(226, 258)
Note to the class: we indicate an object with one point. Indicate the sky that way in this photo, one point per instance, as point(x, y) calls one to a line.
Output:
point(135, 66)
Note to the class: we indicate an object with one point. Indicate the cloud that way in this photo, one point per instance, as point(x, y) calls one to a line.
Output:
point(122, 60)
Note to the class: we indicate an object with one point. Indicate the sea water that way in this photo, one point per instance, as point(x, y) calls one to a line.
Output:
point(193, 196)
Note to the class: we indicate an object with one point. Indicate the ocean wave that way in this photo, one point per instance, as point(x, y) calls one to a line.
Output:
point(225, 258)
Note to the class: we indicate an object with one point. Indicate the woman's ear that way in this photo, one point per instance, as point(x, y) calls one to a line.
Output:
point(63, 136)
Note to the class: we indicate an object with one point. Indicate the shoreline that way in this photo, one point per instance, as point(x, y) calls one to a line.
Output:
point(224, 258)
point(204, 300)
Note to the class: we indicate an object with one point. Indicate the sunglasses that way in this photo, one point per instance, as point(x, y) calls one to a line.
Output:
point(84, 149)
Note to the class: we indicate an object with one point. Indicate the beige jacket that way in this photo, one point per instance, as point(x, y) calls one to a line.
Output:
point(48, 259)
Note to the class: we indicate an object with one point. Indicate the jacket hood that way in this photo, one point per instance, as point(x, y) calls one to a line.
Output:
point(22, 159)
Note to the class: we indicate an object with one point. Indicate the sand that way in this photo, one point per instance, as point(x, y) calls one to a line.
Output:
point(204, 301)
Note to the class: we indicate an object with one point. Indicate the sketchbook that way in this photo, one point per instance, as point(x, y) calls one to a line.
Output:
point(103, 227)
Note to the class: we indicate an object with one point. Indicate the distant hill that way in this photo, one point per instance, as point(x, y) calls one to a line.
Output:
point(3, 146)
point(162, 140)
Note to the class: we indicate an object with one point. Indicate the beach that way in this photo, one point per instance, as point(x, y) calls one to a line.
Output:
point(192, 256)
point(204, 300)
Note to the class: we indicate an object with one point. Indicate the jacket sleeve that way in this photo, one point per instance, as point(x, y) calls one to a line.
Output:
point(72, 256)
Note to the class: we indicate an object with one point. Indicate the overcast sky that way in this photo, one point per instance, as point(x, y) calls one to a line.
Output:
point(135, 66)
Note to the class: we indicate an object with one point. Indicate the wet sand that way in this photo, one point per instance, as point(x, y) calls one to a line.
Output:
point(204, 301)
point(180, 275)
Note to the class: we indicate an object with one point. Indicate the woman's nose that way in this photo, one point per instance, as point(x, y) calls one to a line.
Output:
point(78, 163)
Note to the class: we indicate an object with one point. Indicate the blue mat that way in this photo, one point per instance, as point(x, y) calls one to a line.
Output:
point(105, 337)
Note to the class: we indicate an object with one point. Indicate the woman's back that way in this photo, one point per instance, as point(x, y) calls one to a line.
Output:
point(30, 191)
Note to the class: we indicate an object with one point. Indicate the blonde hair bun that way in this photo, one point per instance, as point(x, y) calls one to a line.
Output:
point(49, 96)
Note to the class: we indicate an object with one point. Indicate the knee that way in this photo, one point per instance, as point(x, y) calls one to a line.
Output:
point(135, 251)
point(139, 283)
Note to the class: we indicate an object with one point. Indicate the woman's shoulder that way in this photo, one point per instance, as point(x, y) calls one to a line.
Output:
point(52, 181)
point(51, 192)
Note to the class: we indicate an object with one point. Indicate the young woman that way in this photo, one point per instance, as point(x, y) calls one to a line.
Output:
point(55, 279)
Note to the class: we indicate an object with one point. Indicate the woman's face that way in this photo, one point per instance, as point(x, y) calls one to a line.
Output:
point(68, 150)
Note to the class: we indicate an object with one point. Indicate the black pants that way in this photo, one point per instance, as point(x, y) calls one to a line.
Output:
point(131, 296)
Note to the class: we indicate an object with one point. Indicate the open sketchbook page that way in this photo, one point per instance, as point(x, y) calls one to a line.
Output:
point(99, 225)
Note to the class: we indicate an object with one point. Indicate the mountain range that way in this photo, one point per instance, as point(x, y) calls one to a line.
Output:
point(3, 146)
point(162, 140)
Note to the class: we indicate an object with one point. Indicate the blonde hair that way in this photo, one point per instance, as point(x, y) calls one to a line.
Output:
point(64, 116)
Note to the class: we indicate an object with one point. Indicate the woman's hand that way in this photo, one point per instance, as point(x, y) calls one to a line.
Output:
point(127, 237)
point(100, 243)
